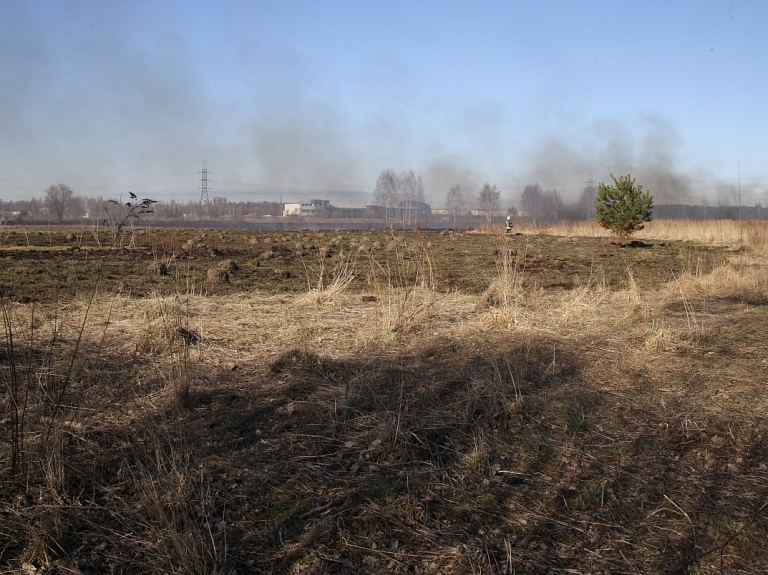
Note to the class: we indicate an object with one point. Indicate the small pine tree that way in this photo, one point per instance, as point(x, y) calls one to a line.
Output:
point(623, 207)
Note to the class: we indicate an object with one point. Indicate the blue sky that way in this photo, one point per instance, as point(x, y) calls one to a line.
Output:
point(316, 98)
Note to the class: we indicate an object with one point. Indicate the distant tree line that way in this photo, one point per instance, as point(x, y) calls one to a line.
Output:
point(60, 204)
point(542, 207)
point(537, 205)
point(398, 195)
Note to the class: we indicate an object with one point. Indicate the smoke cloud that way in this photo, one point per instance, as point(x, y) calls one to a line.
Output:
point(646, 149)
point(105, 114)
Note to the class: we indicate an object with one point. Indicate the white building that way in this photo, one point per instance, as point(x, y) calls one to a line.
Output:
point(307, 208)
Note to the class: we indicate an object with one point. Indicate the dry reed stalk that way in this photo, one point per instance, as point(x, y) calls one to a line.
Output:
point(587, 229)
point(18, 388)
point(712, 232)
point(632, 293)
point(173, 527)
point(749, 282)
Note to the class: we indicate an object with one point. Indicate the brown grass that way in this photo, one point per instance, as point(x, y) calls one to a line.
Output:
point(597, 428)
point(730, 233)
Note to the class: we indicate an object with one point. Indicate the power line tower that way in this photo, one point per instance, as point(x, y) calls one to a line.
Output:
point(204, 186)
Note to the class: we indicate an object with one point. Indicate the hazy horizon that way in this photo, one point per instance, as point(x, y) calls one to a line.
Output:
point(299, 98)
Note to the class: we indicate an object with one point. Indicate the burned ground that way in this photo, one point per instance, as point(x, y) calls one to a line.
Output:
point(62, 262)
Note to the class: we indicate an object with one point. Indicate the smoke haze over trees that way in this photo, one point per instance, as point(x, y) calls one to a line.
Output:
point(488, 199)
point(533, 202)
point(540, 206)
point(454, 203)
point(142, 95)
point(398, 194)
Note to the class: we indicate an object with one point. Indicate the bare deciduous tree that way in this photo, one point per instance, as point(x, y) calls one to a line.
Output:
point(411, 189)
point(489, 200)
point(532, 202)
point(541, 206)
point(386, 192)
point(57, 197)
point(454, 203)
point(396, 193)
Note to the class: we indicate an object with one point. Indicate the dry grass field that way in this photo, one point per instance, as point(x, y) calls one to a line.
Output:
point(187, 401)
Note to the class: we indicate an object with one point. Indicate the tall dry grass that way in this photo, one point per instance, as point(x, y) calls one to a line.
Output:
point(330, 284)
point(506, 288)
point(752, 234)
point(405, 284)
point(593, 403)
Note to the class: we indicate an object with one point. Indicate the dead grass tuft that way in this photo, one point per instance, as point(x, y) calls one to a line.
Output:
point(341, 277)
point(747, 284)
point(662, 339)
point(506, 289)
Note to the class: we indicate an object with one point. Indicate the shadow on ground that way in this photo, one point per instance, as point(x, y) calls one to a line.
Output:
point(444, 460)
